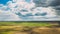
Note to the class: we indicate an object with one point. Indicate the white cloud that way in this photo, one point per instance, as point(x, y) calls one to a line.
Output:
point(8, 16)
point(16, 6)
point(50, 11)
point(10, 13)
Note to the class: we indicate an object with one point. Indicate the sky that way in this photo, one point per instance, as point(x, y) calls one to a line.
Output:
point(27, 10)
point(4, 1)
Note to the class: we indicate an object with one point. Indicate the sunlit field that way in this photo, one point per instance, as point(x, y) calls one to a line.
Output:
point(29, 28)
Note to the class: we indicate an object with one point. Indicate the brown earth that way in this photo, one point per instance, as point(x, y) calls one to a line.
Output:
point(32, 30)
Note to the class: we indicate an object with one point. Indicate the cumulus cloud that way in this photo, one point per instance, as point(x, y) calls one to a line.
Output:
point(25, 10)
point(8, 16)
point(56, 5)
point(41, 3)
point(13, 7)
point(50, 12)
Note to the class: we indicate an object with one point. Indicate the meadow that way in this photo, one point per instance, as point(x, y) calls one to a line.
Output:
point(26, 27)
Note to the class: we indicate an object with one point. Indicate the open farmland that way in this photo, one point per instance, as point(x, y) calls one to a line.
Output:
point(29, 28)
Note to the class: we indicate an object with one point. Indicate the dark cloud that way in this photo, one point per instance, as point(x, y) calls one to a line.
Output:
point(58, 12)
point(57, 7)
point(54, 3)
point(45, 3)
point(40, 3)
point(41, 14)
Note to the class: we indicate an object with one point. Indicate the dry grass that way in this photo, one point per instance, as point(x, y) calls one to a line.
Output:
point(29, 30)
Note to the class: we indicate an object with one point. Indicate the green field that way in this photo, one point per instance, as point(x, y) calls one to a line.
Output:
point(28, 28)
point(25, 23)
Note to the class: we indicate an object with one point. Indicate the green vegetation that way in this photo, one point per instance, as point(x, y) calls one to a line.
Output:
point(25, 23)
point(27, 28)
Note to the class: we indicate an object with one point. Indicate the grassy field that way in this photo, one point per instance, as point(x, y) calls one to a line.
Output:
point(25, 24)
point(28, 28)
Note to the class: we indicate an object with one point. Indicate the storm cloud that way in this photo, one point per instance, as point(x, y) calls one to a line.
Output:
point(55, 3)
point(44, 3)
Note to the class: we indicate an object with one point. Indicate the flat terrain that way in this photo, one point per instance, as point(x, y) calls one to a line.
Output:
point(29, 28)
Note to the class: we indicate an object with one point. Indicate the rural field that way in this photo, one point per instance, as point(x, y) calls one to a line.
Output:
point(29, 28)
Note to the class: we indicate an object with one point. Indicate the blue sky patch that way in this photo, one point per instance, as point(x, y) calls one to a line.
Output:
point(28, 1)
point(4, 1)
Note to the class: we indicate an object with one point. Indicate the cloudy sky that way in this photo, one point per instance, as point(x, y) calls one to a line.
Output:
point(29, 10)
